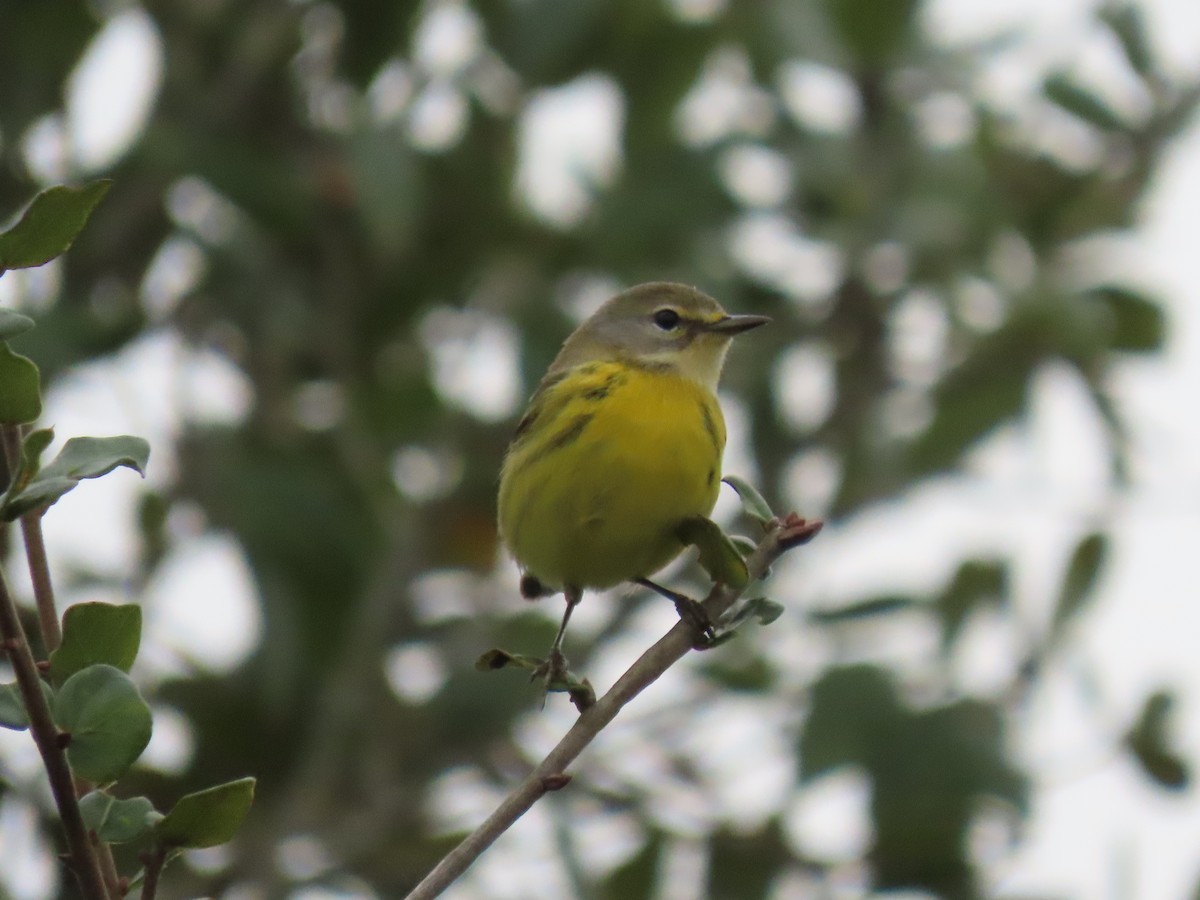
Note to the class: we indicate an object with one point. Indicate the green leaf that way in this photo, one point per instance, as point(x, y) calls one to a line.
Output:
point(863, 609)
point(1149, 740)
point(1139, 324)
point(872, 32)
point(753, 503)
point(33, 447)
point(20, 388)
point(13, 323)
point(12, 705)
point(1079, 580)
point(1128, 23)
point(116, 821)
point(718, 556)
point(929, 772)
point(83, 457)
point(1064, 91)
point(853, 712)
point(976, 583)
point(31, 451)
point(207, 818)
point(108, 722)
point(97, 633)
point(761, 608)
point(12, 708)
point(50, 224)
point(754, 675)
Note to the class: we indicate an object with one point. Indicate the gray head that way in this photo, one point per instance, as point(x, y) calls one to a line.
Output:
point(658, 324)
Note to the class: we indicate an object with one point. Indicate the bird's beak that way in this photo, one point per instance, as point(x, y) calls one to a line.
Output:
point(731, 325)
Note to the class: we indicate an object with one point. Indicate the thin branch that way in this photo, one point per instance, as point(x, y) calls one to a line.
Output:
point(154, 862)
point(49, 743)
point(782, 535)
point(35, 552)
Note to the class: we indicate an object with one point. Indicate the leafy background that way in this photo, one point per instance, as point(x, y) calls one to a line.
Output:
point(345, 242)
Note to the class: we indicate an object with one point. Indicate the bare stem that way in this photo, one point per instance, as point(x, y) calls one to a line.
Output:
point(782, 535)
point(47, 737)
point(35, 552)
point(154, 862)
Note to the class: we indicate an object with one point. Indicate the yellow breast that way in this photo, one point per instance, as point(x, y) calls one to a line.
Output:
point(607, 462)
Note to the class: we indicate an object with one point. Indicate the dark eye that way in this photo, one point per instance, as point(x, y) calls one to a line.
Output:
point(666, 318)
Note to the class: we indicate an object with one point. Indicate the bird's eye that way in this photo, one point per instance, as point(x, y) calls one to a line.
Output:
point(666, 318)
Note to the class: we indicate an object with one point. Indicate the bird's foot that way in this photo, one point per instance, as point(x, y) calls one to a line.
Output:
point(553, 671)
point(690, 610)
point(694, 613)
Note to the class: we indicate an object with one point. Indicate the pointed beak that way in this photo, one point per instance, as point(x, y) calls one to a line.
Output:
point(731, 325)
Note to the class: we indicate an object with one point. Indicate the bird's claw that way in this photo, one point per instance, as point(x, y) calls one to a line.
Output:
point(697, 617)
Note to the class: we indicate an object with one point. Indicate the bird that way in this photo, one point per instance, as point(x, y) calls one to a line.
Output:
point(621, 442)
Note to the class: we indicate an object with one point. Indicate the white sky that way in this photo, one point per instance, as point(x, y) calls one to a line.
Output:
point(1096, 824)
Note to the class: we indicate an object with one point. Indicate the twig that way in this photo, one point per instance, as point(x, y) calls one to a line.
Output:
point(782, 535)
point(35, 552)
point(48, 739)
point(154, 862)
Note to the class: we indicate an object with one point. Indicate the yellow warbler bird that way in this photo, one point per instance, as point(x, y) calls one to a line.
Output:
point(622, 442)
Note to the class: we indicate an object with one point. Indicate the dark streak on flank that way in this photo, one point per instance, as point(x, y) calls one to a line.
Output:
point(565, 437)
point(602, 390)
point(712, 476)
point(535, 407)
point(711, 427)
point(560, 440)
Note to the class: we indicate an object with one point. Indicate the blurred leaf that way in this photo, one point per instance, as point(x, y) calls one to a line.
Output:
point(207, 818)
point(12, 705)
point(108, 722)
point(852, 711)
point(744, 865)
point(1079, 581)
point(718, 556)
point(763, 609)
point(864, 609)
point(1139, 322)
point(928, 782)
point(754, 675)
point(1062, 90)
point(1128, 22)
point(83, 457)
point(49, 225)
point(976, 583)
point(637, 876)
point(13, 323)
point(97, 633)
point(1150, 742)
point(20, 389)
point(32, 448)
point(372, 33)
point(391, 187)
point(753, 503)
point(116, 821)
point(873, 30)
point(983, 391)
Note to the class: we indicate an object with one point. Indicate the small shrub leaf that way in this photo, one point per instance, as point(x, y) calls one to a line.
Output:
point(116, 821)
point(108, 722)
point(50, 224)
point(97, 633)
point(207, 818)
